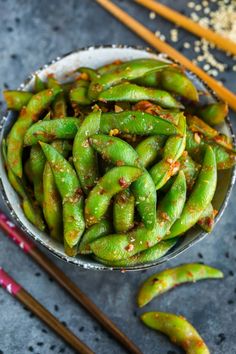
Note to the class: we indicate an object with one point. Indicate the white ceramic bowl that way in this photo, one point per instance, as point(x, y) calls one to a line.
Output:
point(95, 57)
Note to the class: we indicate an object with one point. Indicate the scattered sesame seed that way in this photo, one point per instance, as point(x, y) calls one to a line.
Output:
point(198, 7)
point(191, 4)
point(152, 15)
point(187, 45)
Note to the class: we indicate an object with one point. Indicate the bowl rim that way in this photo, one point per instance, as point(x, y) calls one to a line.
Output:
point(201, 235)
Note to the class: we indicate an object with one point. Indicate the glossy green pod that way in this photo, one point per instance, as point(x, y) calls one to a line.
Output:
point(16, 100)
point(108, 67)
point(171, 79)
point(92, 74)
point(190, 169)
point(59, 106)
point(168, 279)
point(84, 156)
point(122, 246)
point(27, 171)
point(114, 181)
point(173, 149)
point(196, 145)
point(103, 228)
point(27, 117)
point(134, 93)
point(150, 149)
point(79, 95)
point(47, 131)
point(72, 198)
point(178, 329)
point(123, 211)
point(207, 218)
point(121, 153)
point(201, 195)
point(126, 71)
point(39, 85)
point(214, 113)
point(196, 124)
point(37, 163)
point(136, 122)
point(30, 208)
point(52, 201)
point(151, 254)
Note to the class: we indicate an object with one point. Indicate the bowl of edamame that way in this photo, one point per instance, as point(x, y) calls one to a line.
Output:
point(114, 157)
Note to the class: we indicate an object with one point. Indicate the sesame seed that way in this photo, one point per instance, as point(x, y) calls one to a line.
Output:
point(186, 45)
point(152, 15)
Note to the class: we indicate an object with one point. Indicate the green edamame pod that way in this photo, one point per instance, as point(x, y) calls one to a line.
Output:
point(173, 149)
point(47, 131)
point(39, 85)
point(84, 156)
point(149, 149)
point(149, 80)
point(79, 95)
point(16, 100)
point(196, 145)
point(123, 211)
point(59, 106)
point(207, 218)
point(103, 228)
point(127, 71)
point(190, 169)
point(108, 67)
point(201, 195)
point(93, 75)
point(52, 202)
point(121, 153)
point(149, 255)
point(155, 110)
point(178, 329)
point(136, 122)
point(214, 113)
point(31, 210)
point(134, 93)
point(195, 124)
point(122, 246)
point(27, 170)
point(28, 116)
point(173, 80)
point(72, 198)
point(162, 282)
point(37, 163)
point(114, 181)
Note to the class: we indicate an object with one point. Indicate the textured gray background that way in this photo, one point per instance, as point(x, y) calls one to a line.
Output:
point(32, 33)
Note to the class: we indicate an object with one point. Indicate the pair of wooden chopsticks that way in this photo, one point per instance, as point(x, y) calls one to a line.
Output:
point(24, 297)
point(163, 47)
point(30, 248)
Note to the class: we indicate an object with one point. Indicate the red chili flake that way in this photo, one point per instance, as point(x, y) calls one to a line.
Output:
point(130, 247)
point(164, 215)
point(123, 183)
point(119, 163)
point(101, 191)
point(155, 280)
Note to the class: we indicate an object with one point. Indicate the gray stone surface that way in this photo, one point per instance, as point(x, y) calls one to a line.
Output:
point(32, 33)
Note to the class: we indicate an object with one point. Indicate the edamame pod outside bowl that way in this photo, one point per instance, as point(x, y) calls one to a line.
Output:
point(95, 57)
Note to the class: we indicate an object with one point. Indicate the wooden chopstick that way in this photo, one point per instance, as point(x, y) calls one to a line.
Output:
point(29, 247)
point(31, 303)
point(190, 25)
point(222, 92)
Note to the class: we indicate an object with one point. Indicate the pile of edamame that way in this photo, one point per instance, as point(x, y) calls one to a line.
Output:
point(118, 163)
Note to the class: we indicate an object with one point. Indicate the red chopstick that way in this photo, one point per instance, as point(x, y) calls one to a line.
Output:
point(29, 247)
point(25, 298)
